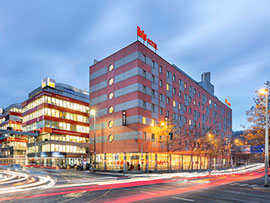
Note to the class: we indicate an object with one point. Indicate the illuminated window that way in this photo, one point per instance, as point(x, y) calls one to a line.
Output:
point(110, 109)
point(190, 121)
point(210, 102)
point(111, 81)
point(110, 138)
point(174, 104)
point(110, 67)
point(152, 122)
point(111, 95)
point(143, 120)
point(194, 102)
point(167, 87)
point(110, 124)
point(185, 85)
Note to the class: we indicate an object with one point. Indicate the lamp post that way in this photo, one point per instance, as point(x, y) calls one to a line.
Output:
point(93, 113)
point(266, 151)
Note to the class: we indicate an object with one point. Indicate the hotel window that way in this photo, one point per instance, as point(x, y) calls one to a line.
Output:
point(152, 122)
point(153, 93)
point(202, 106)
point(194, 91)
point(144, 73)
point(194, 102)
point(153, 64)
point(153, 79)
point(173, 90)
point(111, 81)
point(153, 108)
point(185, 108)
point(153, 137)
point(180, 82)
point(174, 78)
point(190, 111)
point(185, 85)
point(215, 105)
point(110, 124)
point(110, 67)
point(189, 99)
point(199, 94)
point(174, 116)
point(185, 97)
point(174, 103)
point(167, 87)
point(110, 95)
point(144, 89)
point(179, 93)
point(110, 109)
point(168, 113)
point(179, 106)
point(160, 69)
point(143, 120)
point(144, 58)
point(185, 119)
point(168, 74)
point(210, 102)
point(160, 83)
point(168, 100)
point(144, 104)
point(160, 97)
point(199, 104)
point(190, 89)
point(160, 111)
point(144, 135)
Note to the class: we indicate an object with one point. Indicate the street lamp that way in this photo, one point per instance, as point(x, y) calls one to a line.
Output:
point(93, 113)
point(266, 180)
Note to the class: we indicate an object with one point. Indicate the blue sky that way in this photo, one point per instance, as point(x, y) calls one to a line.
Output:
point(60, 39)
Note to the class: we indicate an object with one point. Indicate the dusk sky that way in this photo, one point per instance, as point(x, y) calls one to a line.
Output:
point(61, 39)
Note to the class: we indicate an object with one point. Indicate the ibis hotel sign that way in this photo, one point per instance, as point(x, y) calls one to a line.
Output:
point(142, 35)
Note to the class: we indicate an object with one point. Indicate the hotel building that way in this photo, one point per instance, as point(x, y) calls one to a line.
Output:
point(60, 113)
point(135, 89)
point(14, 146)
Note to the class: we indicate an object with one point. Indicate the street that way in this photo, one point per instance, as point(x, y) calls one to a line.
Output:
point(81, 186)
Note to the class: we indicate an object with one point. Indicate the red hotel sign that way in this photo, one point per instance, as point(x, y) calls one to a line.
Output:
point(142, 35)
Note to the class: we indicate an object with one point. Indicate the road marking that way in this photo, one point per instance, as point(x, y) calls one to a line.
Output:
point(252, 185)
point(189, 200)
point(235, 192)
point(150, 193)
point(243, 185)
point(235, 184)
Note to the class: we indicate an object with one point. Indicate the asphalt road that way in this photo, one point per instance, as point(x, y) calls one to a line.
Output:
point(83, 187)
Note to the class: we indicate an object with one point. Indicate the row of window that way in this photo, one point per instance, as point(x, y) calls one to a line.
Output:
point(55, 113)
point(14, 126)
point(68, 138)
point(181, 83)
point(57, 102)
point(57, 148)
